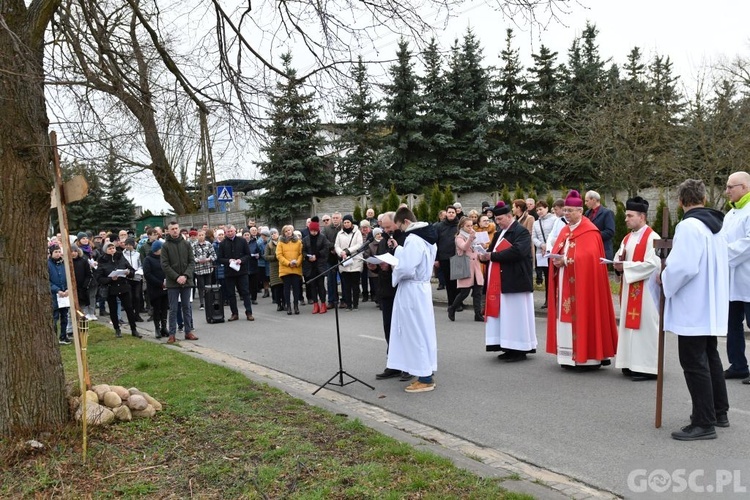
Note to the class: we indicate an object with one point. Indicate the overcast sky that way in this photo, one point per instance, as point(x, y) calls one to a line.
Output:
point(695, 35)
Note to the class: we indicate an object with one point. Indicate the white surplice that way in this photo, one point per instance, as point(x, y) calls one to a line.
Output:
point(696, 282)
point(515, 327)
point(413, 342)
point(638, 349)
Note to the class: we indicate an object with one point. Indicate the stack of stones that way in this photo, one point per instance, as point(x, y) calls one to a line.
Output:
point(105, 404)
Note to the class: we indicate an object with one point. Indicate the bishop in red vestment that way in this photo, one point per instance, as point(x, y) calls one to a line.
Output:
point(581, 327)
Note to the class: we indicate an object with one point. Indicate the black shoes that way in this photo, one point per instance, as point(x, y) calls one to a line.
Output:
point(279, 307)
point(388, 373)
point(512, 357)
point(118, 333)
point(478, 317)
point(296, 309)
point(722, 420)
point(730, 374)
point(441, 287)
point(451, 313)
point(289, 310)
point(405, 377)
point(694, 433)
point(135, 334)
point(642, 377)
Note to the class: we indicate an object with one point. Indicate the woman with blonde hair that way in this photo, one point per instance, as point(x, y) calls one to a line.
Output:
point(474, 282)
point(277, 286)
point(289, 255)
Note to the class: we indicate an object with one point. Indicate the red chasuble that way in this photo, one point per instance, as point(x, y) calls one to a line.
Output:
point(586, 296)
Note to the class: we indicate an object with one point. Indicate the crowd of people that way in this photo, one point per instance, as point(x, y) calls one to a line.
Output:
point(495, 254)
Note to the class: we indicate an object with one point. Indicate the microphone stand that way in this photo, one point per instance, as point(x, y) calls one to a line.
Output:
point(340, 373)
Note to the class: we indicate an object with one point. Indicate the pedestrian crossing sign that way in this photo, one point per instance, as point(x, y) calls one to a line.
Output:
point(224, 193)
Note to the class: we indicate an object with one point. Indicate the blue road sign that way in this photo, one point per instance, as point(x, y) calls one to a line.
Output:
point(224, 193)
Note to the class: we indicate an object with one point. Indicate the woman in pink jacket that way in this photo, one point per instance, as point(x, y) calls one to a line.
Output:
point(465, 246)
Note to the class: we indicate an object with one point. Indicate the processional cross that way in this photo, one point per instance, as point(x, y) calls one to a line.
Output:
point(662, 246)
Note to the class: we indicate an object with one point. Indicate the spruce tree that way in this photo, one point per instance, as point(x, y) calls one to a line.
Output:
point(404, 140)
point(509, 88)
point(359, 139)
point(583, 88)
point(294, 171)
point(543, 113)
point(436, 124)
point(118, 210)
point(469, 105)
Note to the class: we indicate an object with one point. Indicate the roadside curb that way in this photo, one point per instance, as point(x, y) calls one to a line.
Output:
point(519, 476)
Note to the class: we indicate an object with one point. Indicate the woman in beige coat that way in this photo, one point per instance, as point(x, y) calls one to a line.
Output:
point(465, 246)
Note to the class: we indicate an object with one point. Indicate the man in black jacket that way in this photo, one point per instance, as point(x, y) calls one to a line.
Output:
point(234, 253)
point(446, 248)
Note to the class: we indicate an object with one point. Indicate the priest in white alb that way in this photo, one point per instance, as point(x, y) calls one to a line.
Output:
point(636, 260)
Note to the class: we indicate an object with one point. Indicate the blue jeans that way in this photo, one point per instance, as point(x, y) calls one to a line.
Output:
point(183, 294)
point(61, 316)
point(738, 313)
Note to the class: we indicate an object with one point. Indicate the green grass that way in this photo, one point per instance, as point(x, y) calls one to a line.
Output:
point(222, 436)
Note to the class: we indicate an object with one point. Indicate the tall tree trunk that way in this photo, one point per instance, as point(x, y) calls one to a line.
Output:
point(32, 382)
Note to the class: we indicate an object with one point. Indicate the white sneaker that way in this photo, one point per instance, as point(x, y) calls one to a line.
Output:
point(91, 317)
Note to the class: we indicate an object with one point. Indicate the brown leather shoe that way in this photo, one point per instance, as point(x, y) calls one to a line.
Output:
point(190, 336)
point(171, 340)
point(233, 318)
point(249, 317)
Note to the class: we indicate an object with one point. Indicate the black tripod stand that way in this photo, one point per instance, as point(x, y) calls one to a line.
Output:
point(340, 374)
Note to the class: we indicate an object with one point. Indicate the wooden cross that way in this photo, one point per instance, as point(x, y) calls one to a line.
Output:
point(662, 246)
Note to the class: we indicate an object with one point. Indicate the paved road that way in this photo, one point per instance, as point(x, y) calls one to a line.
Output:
point(595, 427)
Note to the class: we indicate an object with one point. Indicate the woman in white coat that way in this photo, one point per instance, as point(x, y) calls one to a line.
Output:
point(348, 241)
point(465, 246)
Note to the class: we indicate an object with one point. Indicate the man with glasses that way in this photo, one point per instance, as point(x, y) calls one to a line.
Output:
point(581, 327)
point(736, 230)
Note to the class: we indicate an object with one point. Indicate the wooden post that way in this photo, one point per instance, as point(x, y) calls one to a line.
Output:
point(60, 197)
point(662, 246)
